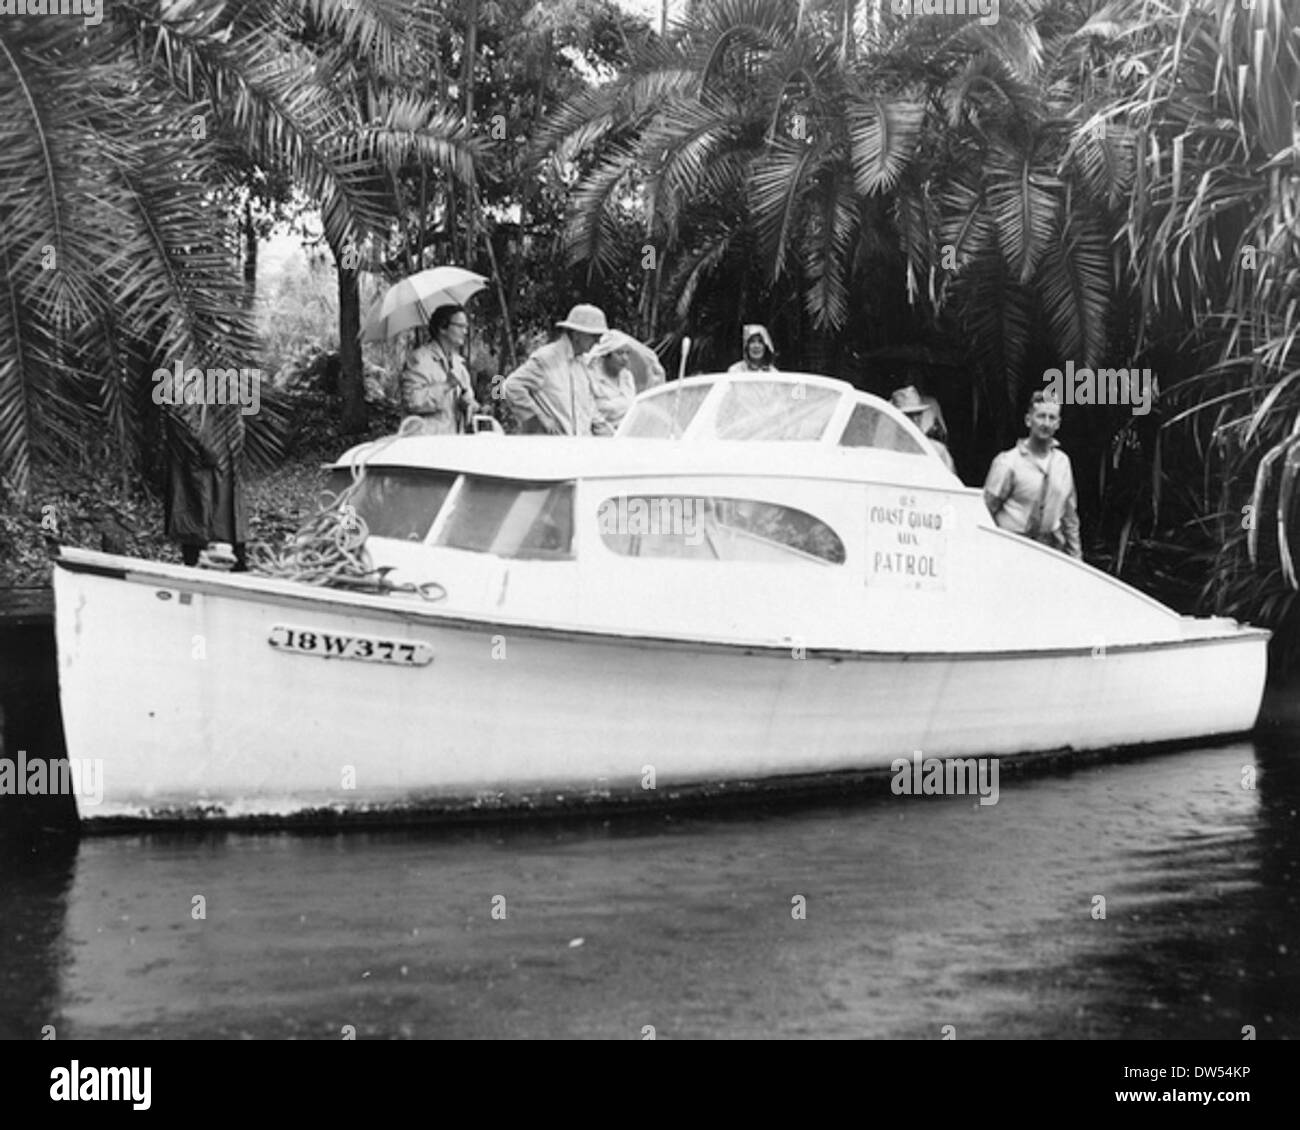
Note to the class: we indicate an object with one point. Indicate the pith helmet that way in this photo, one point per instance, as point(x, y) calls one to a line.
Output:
point(585, 319)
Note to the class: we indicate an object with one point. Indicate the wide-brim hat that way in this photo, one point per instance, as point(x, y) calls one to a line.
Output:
point(753, 329)
point(908, 401)
point(585, 319)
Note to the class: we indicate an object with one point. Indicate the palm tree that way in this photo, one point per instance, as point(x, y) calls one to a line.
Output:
point(933, 161)
point(1212, 233)
point(313, 91)
point(111, 254)
point(116, 249)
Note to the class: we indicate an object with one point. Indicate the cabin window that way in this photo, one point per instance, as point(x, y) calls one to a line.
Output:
point(396, 502)
point(666, 415)
point(775, 410)
point(870, 427)
point(704, 528)
point(511, 519)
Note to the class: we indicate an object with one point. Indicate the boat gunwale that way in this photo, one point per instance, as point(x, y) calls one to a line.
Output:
point(259, 589)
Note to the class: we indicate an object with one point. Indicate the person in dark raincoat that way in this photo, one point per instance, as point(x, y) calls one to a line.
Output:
point(204, 501)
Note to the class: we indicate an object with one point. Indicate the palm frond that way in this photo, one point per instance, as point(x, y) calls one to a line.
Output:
point(965, 228)
point(1074, 280)
point(780, 179)
point(828, 247)
point(402, 127)
point(591, 234)
point(683, 145)
point(1025, 207)
point(692, 269)
point(883, 136)
point(372, 29)
point(998, 317)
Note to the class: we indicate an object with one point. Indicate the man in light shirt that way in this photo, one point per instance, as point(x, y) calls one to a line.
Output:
point(551, 393)
point(1030, 487)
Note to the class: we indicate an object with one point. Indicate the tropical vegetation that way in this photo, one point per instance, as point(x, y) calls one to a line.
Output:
point(902, 198)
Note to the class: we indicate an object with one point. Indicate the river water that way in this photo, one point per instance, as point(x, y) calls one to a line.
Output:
point(879, 917)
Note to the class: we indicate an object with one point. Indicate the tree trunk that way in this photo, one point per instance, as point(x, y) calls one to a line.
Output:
point(529, 177)
point(848, 43)
point(250, 256)
point(467, 85)
point(508, 333)
point(352, 380)
point(445, 253)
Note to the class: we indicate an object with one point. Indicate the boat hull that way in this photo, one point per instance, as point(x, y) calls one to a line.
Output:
point(178, 684)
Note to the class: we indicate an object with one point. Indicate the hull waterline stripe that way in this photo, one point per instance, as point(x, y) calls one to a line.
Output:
point(558, 805)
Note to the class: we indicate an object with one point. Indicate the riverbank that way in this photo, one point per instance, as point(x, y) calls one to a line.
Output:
point(93, 512)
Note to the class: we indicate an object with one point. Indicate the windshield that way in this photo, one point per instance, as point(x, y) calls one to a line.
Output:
point(666, 415)
point(870, 427)
point(775, 410)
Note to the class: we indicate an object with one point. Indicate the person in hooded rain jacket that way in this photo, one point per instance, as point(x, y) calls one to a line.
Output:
point(612, 382)
point(759, 352)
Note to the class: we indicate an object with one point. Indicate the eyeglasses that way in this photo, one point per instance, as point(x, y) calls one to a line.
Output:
point(458, 325)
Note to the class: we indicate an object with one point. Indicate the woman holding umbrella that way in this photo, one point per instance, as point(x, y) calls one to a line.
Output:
point(436, 385)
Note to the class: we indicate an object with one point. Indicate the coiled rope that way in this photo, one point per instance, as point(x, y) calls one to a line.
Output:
point(330, 547)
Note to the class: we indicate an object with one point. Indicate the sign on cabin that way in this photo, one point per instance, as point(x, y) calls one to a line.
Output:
point(907, 538)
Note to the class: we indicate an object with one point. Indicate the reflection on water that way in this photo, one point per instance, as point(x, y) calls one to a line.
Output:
point(36, 876)
point(920, 913)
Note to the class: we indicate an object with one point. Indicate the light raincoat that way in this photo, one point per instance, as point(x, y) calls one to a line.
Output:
point(753, 329)
point(437, 388)
point(554, 385)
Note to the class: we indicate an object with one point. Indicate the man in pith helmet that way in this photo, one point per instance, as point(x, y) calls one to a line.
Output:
point(551, 393)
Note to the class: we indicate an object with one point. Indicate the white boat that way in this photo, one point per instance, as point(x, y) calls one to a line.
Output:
point(761, 578)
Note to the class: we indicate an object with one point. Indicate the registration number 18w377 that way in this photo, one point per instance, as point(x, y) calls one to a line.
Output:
point(368, 649)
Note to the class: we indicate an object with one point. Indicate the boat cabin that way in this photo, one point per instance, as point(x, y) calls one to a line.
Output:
point(772, 508)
